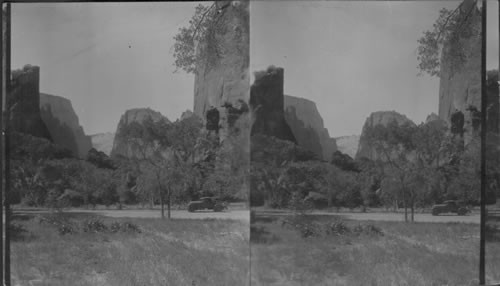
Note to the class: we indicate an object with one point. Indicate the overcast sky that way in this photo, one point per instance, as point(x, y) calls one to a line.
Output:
point(351, 58)
point(105, 57)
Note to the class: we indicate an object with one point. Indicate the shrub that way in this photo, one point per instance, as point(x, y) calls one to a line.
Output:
point(337, 228)
point(93, 225)
point(368, 229)
point(17, 231)
point(61, 223)
point(124, 227)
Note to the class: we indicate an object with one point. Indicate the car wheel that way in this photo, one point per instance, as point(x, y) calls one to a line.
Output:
point(218, 208)
point(435, 212)
point(461, 211)
point(191, 208)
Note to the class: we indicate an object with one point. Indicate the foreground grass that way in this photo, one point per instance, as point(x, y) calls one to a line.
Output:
point(406, 254)
point(177, 252)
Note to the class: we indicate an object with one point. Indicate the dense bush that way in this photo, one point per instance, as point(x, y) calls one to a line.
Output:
point(124, 227)
point(308, 227)
point(62, 224)
point(93, 225)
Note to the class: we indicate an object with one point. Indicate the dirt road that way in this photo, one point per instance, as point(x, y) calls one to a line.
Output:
point(419, 217)
point(243, 215)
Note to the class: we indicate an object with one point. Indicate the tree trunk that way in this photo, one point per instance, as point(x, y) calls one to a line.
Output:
point(152, 201)
point(412, 210)
point(168, 205)
point(162, 206)
point(405, 206)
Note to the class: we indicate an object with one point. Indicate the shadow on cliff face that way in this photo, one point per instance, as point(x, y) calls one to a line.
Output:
point(23, 100)
point(306, 136)
point(61, 133)
point(267, 105)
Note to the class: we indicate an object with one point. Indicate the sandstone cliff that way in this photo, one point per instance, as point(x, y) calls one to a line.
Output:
point(307, 126)
point(103, 142)
point(222, 81)
point(267, 104)
point(460, 86)
point(348, 144)
point(222, 84)
point(120, 145)
point(23, 100)
point(62, 122)
point(365, 147)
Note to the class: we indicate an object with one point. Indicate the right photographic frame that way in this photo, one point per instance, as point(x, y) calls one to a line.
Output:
point(375, 147)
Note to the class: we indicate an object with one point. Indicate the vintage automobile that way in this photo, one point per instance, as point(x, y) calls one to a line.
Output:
point(210, 203)
point(450, 207)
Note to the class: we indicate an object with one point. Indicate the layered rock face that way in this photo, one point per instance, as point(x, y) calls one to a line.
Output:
point(307, 126)
point(348, 144)
point(64, 127)
point(460, 86)
point(267, 104)
point(365, 147)
point(222, 81)
point(24, 102)
point(103, 142)
point(121, 146)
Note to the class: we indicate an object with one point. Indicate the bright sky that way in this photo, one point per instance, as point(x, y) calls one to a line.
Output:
point(351, 58)
point(105, 57)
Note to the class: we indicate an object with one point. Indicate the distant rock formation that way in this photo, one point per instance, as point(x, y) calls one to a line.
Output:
point(187, 114)
point(348, 144)
point(222, 81)
point(23, 100)
point(365, 147)
point(120, 145)
point(267, 105)
point(307, 126)
point(103, 142)
point(64, 127)
point(460, 87)
point(432, 117)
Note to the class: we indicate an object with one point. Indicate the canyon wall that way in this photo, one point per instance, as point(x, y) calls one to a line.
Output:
point(365, 147)
point(103, 142)
point(267, 105)
point(64, 127)
point(121, 146)
point(348, 144)
point(460, 81)
point(23, 100)
point(221, 88)
point(221, 80)
point(306, 123)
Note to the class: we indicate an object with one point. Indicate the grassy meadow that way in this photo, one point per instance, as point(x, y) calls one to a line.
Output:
point(128, 251)
point(391, 253)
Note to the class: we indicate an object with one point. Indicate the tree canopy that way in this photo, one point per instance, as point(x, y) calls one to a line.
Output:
point(444, 42)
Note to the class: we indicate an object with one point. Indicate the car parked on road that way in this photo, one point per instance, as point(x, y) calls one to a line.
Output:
point(450, 207)
point(210, 203)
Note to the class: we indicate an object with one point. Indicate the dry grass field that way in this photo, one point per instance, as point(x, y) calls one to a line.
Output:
point(177, 252)
point(396, 253)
